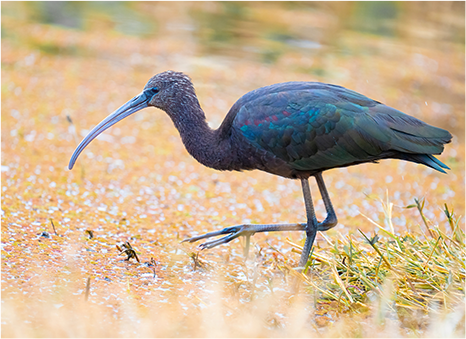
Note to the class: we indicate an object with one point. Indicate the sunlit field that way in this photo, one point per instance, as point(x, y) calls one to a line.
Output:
point(394, 266)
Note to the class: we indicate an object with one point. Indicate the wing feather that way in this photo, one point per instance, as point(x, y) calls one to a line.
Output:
point(313, 126)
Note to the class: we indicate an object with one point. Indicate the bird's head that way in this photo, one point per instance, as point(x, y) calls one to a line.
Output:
point(164, 90)
point(168, 87)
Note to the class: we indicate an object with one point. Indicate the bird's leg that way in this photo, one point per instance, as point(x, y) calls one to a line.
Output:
point(311, 226)
point(331, 219)
point(248, 230)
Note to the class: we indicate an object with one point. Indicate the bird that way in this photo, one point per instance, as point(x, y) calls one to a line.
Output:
point(295, 130)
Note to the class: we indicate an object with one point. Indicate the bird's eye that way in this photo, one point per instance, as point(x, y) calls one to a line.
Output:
point(153, 90)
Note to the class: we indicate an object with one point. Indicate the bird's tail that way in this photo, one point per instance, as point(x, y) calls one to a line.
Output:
point(415, 140)
point(424, 159)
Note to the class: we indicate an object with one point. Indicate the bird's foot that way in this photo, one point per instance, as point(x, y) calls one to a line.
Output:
point(243, 230)
point(233, 233)
point(247, 230)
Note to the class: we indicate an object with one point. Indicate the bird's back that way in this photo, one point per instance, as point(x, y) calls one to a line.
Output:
point(297, 129)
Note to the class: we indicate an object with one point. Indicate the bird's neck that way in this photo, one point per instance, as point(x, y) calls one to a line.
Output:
point(202, 142)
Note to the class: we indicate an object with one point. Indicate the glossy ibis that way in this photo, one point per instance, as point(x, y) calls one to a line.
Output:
point(295, 130)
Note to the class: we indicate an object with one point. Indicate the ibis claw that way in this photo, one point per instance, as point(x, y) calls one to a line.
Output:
point(232, 232)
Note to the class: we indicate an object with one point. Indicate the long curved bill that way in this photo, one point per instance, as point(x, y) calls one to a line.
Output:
point(136, 104)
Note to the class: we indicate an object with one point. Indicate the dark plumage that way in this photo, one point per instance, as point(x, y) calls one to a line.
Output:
point(294, 130)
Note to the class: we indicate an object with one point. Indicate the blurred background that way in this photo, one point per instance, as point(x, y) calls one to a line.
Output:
point(415, 49)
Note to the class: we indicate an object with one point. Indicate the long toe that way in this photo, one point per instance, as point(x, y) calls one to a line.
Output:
point(227, 230)
point(214, 243)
